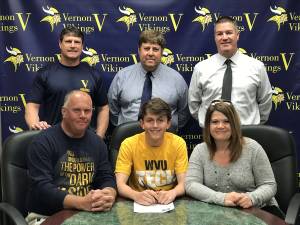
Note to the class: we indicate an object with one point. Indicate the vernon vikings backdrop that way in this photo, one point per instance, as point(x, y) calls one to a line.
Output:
point(270, 32)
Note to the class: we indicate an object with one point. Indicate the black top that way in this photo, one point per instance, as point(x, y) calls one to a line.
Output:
point(59, 165)
point(55, 80)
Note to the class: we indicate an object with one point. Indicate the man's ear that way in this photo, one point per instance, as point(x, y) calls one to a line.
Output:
point(63, 112)
point(169, 124)
point(138, 50)
point(238, 35)
point(142, 124)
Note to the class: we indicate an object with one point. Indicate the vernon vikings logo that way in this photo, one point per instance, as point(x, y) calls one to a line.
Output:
point(167, 57)
point(280, 16)
point(53, 17)
point(16, 57)
point(15, 129)
point(129, 18)
point(204, 17)
point(92, 57)
point(277, 96)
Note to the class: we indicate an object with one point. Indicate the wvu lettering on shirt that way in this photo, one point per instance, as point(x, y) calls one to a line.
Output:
point(157, 164)
point(156, 174)
point(78, 172)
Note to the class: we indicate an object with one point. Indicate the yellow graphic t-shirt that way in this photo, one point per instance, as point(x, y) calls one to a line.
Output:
point(152, 167)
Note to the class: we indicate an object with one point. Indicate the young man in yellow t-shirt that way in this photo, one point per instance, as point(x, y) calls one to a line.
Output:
point(151, 166)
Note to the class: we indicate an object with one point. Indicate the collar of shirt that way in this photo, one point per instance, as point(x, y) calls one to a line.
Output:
point(221, 59)
point(154, 73)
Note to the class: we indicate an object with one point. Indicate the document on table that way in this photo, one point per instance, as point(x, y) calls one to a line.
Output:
point(156, 208)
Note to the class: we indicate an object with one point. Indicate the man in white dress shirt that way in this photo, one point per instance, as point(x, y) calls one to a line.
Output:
point(251, 89)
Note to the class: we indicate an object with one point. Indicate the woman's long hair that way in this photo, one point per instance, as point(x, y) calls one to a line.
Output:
point(236, 140)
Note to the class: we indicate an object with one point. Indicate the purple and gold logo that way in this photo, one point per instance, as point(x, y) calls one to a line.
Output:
point(280, 16)
point(243, 51)
point(15, 130)
point(167, 57)
point(16, 57)
point(53, 16)
point(277, 96)
point(92, 57)
point(204, 17)
point(129, 17)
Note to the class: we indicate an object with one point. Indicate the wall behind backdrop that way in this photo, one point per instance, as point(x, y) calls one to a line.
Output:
point(29, 30)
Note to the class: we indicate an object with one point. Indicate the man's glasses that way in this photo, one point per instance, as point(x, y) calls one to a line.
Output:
point(216, 101)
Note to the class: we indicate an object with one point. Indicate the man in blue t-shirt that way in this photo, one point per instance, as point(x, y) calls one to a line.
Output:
point(55, 80)
point(68, 165)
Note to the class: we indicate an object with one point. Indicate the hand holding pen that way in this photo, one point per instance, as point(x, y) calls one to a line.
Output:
point(148, 196)
point(162, 197)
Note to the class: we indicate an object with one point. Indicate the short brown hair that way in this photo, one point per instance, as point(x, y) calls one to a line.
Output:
point(236, 139)
point(73, 31)
point(226, 19)
point(156, 106)
point(153, 37)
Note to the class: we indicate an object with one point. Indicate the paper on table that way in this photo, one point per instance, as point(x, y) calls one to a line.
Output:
point(156, 208)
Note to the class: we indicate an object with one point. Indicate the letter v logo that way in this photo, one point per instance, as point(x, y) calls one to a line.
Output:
point(174, 22)
point(84, 83)
point(99, 24)
point(23, 99)
point(286, 62)
point(23, 25)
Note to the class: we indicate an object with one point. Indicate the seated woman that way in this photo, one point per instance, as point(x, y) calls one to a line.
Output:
point(228, 169)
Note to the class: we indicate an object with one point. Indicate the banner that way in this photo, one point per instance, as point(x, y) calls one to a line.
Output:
point(29, 31)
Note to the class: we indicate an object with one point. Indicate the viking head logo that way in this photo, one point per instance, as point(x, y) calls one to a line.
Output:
point(52, 17)
point(280, 16)
point(243, 51)
point(15, 129)
point(204, 17)
point(167, 57)
point(16, 57)
point(129, 18)
point(277, 96)
point(92, 57)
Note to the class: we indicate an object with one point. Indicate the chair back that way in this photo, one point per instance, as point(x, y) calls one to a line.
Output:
point(281, 150)
point(119, 134)
point(14, 173)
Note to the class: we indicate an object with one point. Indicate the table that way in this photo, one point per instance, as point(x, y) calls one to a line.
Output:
point(187, 212)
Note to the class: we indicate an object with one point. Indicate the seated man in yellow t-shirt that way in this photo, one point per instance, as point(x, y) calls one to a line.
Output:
point(151, 166)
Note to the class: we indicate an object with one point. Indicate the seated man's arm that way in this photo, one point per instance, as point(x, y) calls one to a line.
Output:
point(147, 197)
point(102, 120)
point(165, 197)
point(32, 117)
point(78, 202)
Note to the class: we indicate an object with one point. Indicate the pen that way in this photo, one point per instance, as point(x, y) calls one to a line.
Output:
point(149, 187)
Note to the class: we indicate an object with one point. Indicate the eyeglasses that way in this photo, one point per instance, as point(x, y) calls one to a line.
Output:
point(216, 101)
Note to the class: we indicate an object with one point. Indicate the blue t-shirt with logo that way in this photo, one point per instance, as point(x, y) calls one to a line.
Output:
point(54, 81)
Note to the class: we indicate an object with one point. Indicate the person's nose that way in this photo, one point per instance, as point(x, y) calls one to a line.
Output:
point(72, 44)
point(220, 125)
point(150, 52)
point(155, 123)
point(224, 36)
point(82, 114)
